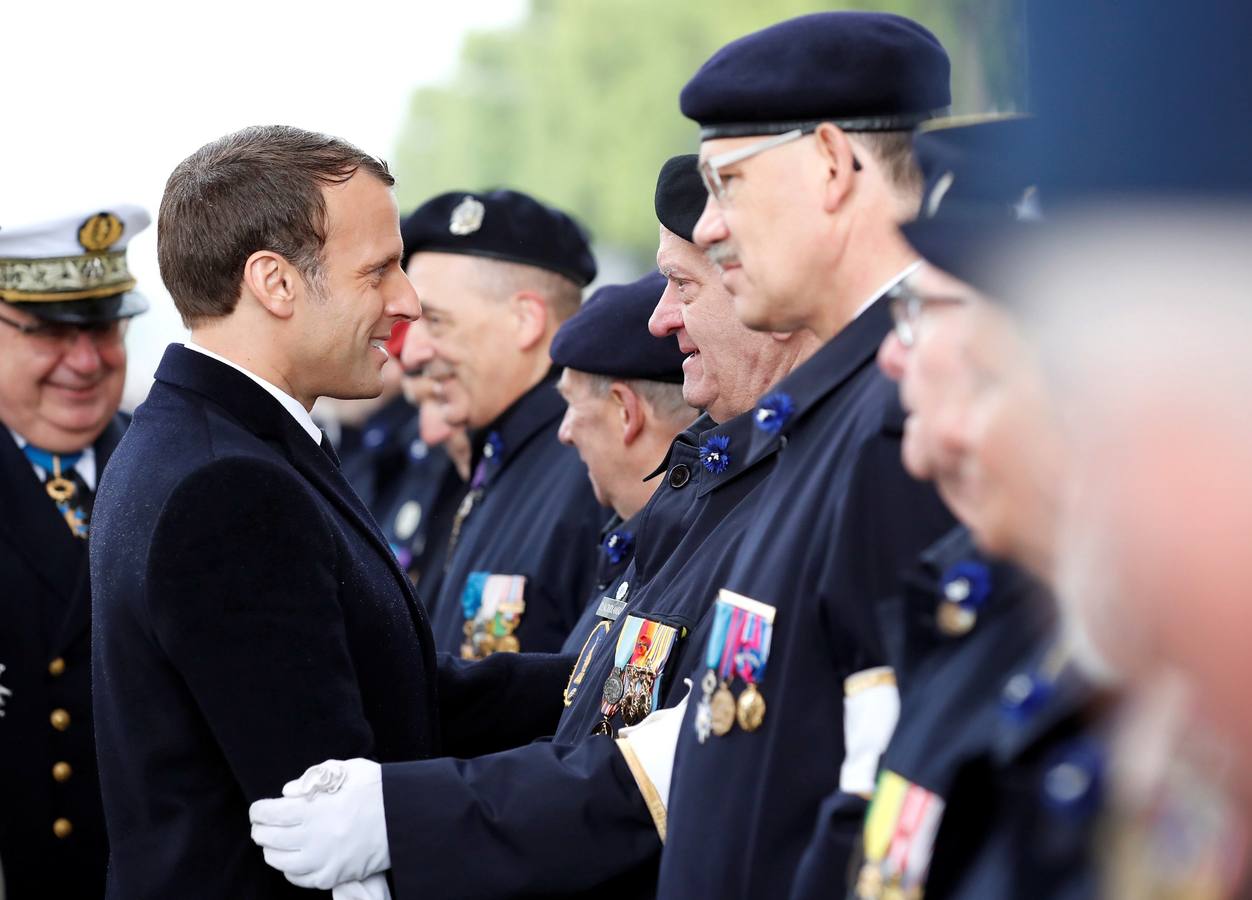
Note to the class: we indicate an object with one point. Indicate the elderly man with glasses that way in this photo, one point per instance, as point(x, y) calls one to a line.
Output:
point(65, 299)
point(808, 163)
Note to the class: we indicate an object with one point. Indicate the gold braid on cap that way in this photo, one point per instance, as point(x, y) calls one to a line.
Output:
point(64, 278)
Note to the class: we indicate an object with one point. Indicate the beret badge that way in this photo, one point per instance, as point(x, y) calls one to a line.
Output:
point(467, 217)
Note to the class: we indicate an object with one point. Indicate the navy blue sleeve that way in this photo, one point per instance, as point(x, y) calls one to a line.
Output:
point(540, 820)
point(503, 701)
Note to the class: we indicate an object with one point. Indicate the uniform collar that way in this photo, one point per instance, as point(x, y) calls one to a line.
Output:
point(739, 448)
point(86, 467)
point(536, 409)
point(689, 438)
point(838, 360)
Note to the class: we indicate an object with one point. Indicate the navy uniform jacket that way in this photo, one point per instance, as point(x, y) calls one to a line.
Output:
point(249, 621)
point(537, 517)
point(47, 770)
point(837, 521)
point(616, 553)
point(417, 508)
point(566, 816)
point(954, 727)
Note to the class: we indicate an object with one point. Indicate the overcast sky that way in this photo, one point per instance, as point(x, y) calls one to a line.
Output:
point(101, 100)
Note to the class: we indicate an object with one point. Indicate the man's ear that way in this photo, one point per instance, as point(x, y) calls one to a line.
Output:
point(837, 152)
point(630, 410)
point(530, 317)
point(273, 281)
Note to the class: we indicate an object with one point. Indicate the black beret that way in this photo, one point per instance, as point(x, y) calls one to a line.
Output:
point(862, 71)
point(980, 196)
point(609, 335)
point(680, 195)
point(501, 224)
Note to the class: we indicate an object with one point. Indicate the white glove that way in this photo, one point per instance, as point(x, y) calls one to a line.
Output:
point(329, 827)
point(871, 706)
point(372, 888)
point(649, 751)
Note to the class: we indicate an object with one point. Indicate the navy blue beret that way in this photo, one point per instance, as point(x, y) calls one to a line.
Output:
point(862, 71)
point(501, 224)
point(609, 335)
point(680, 195)
point(980, 196)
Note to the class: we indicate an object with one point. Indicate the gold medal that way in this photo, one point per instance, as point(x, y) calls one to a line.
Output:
point(468, 628)
point(723, 709)
point(751, 709)
point(508, 644)
point(869, 883)
point(953, 619)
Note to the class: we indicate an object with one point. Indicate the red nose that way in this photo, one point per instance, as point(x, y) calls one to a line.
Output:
point(396, 341)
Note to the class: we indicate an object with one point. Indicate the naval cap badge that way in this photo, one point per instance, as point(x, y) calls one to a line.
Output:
point(467, 217)
point(100, 232)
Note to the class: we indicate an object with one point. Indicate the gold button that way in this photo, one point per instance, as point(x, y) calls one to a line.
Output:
point(60, 719)
point(61, 771)
point(62, 828)
point(56, 667)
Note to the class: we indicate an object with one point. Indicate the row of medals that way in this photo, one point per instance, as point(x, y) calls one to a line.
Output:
point(481, 643)
point(722, 709)
point(629, 690)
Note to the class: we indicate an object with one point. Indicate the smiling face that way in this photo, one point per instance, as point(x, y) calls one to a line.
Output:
point(360, 295)
point(59, 392)
point(728, 367)
point(470, 337)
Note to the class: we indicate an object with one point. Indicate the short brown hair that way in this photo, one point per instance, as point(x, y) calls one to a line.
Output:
point(894, 152)
point(256, 189)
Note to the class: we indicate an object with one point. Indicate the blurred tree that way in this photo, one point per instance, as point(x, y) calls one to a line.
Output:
point(578, 103)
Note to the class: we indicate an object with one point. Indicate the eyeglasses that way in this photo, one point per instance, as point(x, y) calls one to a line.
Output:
point(62, 334)
point(907, 307)
point(710, 169)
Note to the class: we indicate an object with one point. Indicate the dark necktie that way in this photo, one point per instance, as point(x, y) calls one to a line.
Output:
point(65, 487)
point(329, 449)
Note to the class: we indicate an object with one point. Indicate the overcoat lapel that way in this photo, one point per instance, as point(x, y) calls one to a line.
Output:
point(261, 414)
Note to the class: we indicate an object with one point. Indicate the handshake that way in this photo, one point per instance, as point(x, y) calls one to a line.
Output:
point(328, 830)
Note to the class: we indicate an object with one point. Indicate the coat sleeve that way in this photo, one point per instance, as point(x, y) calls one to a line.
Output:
point(541, 820)
point(243, 598)
point(503, 701)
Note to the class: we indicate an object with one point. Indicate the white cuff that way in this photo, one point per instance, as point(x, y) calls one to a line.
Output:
point(649, 752)
point(871, 706)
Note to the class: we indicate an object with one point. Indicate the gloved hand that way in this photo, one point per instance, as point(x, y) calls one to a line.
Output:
point(372, 888)
point(328, 828)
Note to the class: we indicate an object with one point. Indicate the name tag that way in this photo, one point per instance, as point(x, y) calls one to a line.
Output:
point(610, 608)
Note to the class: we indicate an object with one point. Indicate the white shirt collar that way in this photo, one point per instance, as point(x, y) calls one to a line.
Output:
point(85, 467)
point(900, 276)
point(289, 403)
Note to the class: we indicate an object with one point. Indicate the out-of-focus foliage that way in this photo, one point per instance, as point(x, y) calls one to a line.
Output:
point(578, 103)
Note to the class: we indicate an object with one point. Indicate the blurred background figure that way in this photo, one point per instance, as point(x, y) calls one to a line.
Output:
point(1139, 307)
point(66, 298)
point(1143, 323)
point(421, 476)
point(990, 786)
